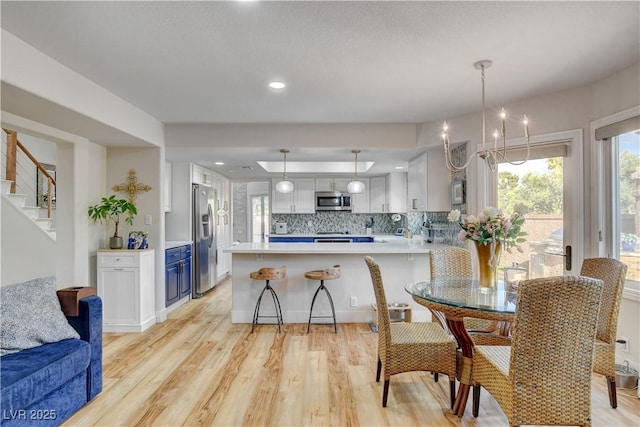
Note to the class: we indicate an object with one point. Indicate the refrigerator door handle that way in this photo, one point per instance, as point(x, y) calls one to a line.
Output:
point(210, 225)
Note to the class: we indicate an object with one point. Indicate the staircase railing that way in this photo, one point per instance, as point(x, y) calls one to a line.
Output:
point(13, 144)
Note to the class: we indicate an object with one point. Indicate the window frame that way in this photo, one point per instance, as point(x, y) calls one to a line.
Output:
point(604, 162)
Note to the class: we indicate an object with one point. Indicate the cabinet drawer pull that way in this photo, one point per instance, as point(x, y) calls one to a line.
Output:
point(119, 269)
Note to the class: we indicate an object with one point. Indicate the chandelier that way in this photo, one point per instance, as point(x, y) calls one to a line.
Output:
point(284, 186)
point(492, 155)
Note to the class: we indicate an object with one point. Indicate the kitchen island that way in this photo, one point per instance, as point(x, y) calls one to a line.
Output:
point(401, 260)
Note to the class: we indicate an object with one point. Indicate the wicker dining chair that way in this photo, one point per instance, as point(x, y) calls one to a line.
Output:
point(452, 262)
point(544, 377)
point(406, 346)
point(612, 273)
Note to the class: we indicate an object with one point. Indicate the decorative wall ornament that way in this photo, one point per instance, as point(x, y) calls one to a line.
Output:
point(132, 187)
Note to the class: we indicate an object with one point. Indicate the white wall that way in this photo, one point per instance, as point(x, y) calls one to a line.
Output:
point(26, 250)
point(26, 68)
point(178, 221)
point(148, 164)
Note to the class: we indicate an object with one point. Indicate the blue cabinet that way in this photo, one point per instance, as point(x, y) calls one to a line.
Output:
point(362, 239)
point(177, 274)
point(290, 239)
point(311, 239)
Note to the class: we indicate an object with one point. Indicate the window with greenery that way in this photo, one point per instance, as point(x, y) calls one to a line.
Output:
point(626, 201)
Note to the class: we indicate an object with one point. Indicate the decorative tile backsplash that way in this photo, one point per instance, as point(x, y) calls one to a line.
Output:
point(329, 221)
point(324, 222)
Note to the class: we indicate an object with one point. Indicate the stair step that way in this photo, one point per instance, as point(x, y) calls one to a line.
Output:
point(5, 186)
point(31, 211)
point(17, 199)
point(47, 224)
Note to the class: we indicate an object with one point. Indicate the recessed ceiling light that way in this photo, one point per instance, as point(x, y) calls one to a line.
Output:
point(398, 167)
point(277, 85)
point(219, 163)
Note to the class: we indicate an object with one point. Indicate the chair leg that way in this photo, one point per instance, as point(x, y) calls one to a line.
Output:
point(452, 390)
point(476, 400)
point(613, 398)
point(379, 370)
point(385, 393)
point(313, 301)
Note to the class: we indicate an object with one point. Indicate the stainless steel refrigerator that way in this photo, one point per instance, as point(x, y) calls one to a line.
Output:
point(204, 240)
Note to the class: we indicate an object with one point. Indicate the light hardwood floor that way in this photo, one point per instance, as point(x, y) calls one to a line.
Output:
point(199, 369)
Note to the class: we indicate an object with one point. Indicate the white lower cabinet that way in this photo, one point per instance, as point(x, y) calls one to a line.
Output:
point(126, 285)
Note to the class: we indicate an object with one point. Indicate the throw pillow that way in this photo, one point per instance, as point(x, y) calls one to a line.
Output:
point(30, 315)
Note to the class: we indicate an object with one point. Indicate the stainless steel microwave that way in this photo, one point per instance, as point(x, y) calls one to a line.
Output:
point(332, 201)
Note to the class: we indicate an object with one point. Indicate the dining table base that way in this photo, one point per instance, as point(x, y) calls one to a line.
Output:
point(465, 363)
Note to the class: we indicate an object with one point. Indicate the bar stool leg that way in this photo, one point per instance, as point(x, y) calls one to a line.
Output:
point(276, 304)
point(313, 301)
point(333, 311)
point(256, 311)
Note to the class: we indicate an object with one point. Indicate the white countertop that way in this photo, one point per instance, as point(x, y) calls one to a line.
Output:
point(176, 243)
point(387, 244)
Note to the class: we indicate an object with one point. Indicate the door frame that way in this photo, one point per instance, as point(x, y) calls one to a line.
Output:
point(573, 188)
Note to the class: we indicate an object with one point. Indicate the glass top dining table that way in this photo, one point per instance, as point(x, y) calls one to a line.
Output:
point(455, 299)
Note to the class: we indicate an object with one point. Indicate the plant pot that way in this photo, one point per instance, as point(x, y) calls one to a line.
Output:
point(629, 246)
point(115, 242)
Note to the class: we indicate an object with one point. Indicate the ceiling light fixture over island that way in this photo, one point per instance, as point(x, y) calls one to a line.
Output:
point(401, 260)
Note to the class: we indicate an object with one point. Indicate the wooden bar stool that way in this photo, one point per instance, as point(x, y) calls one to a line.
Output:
point(322, 275)
point(268, 273)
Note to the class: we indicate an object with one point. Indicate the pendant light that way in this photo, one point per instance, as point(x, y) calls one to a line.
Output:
point(356, 186)
point(284, 186)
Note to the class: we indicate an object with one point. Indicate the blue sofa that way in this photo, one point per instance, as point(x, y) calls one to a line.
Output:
point(45, 385)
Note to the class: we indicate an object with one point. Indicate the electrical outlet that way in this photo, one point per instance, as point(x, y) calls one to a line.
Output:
point(354, 301)
point(624, 347)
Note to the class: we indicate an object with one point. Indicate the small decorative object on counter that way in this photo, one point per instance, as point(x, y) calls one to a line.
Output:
point(138, 240)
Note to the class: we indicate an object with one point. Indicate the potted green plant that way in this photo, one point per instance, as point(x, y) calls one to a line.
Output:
point(111, 208)
point(628, 241)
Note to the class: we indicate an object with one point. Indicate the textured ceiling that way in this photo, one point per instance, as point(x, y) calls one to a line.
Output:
point(344, 62)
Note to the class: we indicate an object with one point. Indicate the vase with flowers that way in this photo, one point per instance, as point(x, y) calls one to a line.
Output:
point(491, 231)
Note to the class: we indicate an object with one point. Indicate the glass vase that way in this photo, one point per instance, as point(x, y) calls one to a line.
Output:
point(488, 276)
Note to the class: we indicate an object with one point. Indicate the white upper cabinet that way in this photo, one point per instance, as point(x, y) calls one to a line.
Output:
point(200, 175)
point(438, 182)
point(417, 183)
point(397, 192)
point(429, 181)
point(360, 201)
point(378, 194)
point(332, 184)
point(301, 200)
